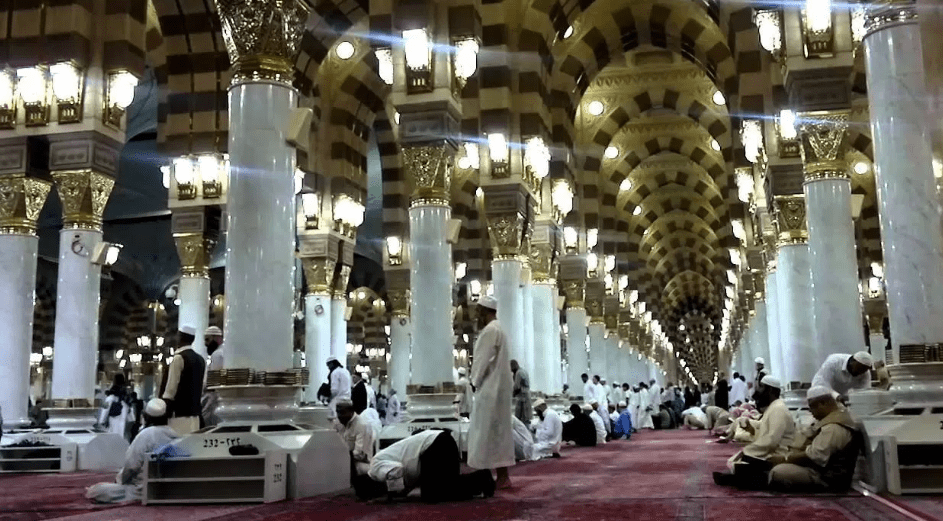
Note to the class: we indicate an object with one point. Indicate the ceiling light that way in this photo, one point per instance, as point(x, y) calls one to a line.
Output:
point(466, 58)
point(66, 81)
point(385, 65)
point(568, 33)
point(344, 50)
point(719, 98)
point(715, 145)
point(612, 152)
point(595, 107)
point(562, 197)
point(31, 84)
point(861, 168)
point(637, 210)
point(537, 157)
point(626, 185)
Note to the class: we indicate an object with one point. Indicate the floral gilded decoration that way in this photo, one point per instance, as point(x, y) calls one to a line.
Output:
point(262, 37)
point(428, 171)
point(319, 274)
point(399, 302)
point(791, 219)
point(194, 252)
point(340, 282)
point(84, 194)
point(21, 199)
point(541, 262)
point(822, 144)
point(575, 292)
point(507, 234)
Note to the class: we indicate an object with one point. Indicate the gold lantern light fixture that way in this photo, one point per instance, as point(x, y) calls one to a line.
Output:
point(67, 82)
point(33, 85)
point(418, 61)
point(119, 94)
point(7, 99)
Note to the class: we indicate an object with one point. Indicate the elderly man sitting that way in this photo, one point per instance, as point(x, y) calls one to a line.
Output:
point(828, 461)
point(549, 433)
point(622, 426)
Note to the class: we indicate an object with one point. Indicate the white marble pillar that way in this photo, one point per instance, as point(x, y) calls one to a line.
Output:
point(317, 341)
point(431, 296)
point(546, 338)
point(576, 356)
point(528, 349)
point(339, 329)
point(907, 195)
point(18, 254)
point(612, 359)
point(597, 349)
point(75, 359)
point(774, 364)
point(260, 256)
point(759, 340)
point(506, 278)
point(836, 303)
point(194, 294)
point(400, 340)
point(557, 368)
point(794, 292)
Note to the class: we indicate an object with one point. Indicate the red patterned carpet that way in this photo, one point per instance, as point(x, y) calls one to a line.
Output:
point(656, 476)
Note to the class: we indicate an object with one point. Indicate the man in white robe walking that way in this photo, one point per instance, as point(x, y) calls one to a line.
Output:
point(490, 438)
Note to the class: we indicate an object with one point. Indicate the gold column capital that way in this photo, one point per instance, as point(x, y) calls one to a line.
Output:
point(319, 274)
point(262, 37)
point(822, 144)
point(194, 251)
point(21, 200)
point(429, 173)
point(542, 264)
point(507, 235)
point(575, 291)
point(594, 309)
point(84, 194)
point(791, 219)
point(399, 303)
point(340, 282)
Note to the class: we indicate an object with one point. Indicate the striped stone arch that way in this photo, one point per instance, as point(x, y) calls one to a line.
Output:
point(666, 225)
point(673, 184)
point(395, 190)
point(367, 321)
point(687, 284)
point(127, 295)
point(869, 241)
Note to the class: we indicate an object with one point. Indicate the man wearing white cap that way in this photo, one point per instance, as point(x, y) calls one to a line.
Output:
point(340, 383)
point(549, 433)
point(464, 396)
point(130, 481)
point(843, 373)
point(597, 421)
point(490, 437)
point(185, 380)
point(213, 338)
point(760, 374)
point(827, 463)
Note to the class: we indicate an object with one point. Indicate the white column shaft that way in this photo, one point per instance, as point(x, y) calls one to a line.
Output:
point(431, 296)
point(576, 357)
point(339, 330)
point(317, 342)
point(759, 343)
point(75, 360)
point(506, 277)
point(836, 304)
point(597, 349)
point(260, 255)
point(194, 294)
point(18, 255)
point(399, 354)
point(774, 364)
point(909, 210)
point(529, 348)
point(795, 314)
point(543, 379)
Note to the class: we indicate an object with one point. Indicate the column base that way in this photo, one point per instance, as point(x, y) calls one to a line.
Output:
point(425, 410)
point(242, 403)
point(315, 415)
point(72, 417)
point(795, 396)
point(917, 382)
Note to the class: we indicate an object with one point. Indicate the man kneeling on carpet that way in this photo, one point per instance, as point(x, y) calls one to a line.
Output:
point(129, 483)
point(827, 463)
point(427, 460)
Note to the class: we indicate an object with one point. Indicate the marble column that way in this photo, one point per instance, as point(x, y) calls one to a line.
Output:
point(339, 315)
point(909, 209)
point(528, 349)
point(260, 256)
point(794, 292)
point(194, 288)
point(775, 361)
point(430, 301)
point(400, 340)
point(545, 377)
point(19, 247)
point(84, 194)
point(318, 307)
point(576, 355)
point(759, 343)
point(506, 277)
point(597, 347)
point(836, 303)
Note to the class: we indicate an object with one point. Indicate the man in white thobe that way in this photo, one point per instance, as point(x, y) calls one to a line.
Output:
point(523, 440)
point(340, 383)
point(589, 388)
point(590, 410)
point(633, 402)
point(549, 434)
point(464, 396)
point(694, 418)
point(602, 402)
point(357, 433)
point(615, 394)
point(738, 390)
point(654, 394)
point(843, 373)
point(213, 339)
point(392, 408)
point(129, 482)
point(644, 408)
point(490, 438)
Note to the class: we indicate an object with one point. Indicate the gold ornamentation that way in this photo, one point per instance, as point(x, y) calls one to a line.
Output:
point(575, 291)
point(21, 199)
point(507, 235)
point(791, 219)
point(319, 273)
point(822, 145)
point(84, 194)
point(881, 14)
point(429, 171)
point(595, 311)
point(340, 282)
point(541, 262)
point(194, 251)
point(262, 37)
point(399, 302)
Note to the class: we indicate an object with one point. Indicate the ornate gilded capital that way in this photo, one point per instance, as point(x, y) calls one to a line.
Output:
point(319, 274)
point(822, 144)
point(575, 291)
point(21, 199)
point(790, 219)
point(84, 194)
point(194, 250)
point(399, 302)
point(507, 232)
point(594, 309)
point(881, 14)
point(262, 37)
point(542, 263)
point(429, 173)
point(340, 282)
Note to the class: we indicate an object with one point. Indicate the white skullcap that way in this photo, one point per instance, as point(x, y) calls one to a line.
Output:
point(602, 379)
point(213, 331)
point(759, 360)
point(190, 330)
point(863, 358)
point(771, 381)
point(461, 370)
point(594, 402)
point(539, 402)
point(155, 408)
point(331, 359)
point(487, 301)
point(622, 404)
point(817, 392)
point(587, 407)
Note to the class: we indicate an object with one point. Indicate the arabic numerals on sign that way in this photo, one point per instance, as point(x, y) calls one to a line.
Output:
point(278, 473)
point(213, 443)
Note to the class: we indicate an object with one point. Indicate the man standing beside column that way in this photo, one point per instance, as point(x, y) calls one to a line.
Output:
point(185, 379)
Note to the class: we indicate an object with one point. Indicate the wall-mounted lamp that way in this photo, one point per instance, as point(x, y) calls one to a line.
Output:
point(474, 290)
point(817, 28)
point(67, 88)
point(571, 239)
point(562, 197)
point(610, 263)
point(592, 238)
point(465, 59)
point(196, 176)
point(7, 99)
point(769, 25)
point(385, 64)
point(788, 134)
point(735, 257)
point(499, 152)
point(537, 158)
point(106, 254)
point(119, 95)
point(592, 264)
point(33, 86)
point(310, 207)
point(461, 269)
point(348, 214)
point(394, 250)
point(470, 160)
point(738, 229)
point(212, 169)
point(751, 135)
point(418, 61)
